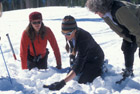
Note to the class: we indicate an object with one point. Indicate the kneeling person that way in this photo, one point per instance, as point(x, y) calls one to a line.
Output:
point(88, 54)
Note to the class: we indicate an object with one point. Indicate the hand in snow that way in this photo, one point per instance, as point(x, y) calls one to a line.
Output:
point(56, 85)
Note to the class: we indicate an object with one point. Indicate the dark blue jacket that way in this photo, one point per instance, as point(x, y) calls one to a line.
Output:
point(88, 51)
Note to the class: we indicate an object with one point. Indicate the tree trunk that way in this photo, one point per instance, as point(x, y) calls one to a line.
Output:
point(37, 3)
point(51, 2)
point(28, 3)
point(21, 4)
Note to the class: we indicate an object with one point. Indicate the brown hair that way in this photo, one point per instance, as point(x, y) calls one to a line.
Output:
point(31, 32)
point(67, 47)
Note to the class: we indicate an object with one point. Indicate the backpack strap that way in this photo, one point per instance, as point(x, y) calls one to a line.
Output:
point(33, 47)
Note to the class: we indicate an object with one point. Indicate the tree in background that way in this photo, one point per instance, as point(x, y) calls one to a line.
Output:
point(22, 4)
point(128, 0)
point(28, 3)
point(134, 1)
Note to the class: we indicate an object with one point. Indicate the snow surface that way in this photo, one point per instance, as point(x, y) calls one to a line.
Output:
point(30, 82)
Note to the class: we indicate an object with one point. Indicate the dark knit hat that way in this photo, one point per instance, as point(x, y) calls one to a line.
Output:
point(35, 16)
point(69, 23)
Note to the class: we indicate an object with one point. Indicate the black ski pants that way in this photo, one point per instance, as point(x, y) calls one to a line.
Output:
point(41, 64)
point(91, 71)
point(129, 49)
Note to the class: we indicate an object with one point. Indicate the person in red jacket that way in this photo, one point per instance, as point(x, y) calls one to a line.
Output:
point(33, 51)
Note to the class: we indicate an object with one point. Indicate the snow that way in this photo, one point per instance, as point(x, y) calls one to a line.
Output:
point(31, 82)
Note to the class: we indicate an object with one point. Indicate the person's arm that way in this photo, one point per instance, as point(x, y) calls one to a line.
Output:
point(123, 15)
point(70, 76)
point(128, 18)
point(23, 50)
point(55, 48)
point(62, 83)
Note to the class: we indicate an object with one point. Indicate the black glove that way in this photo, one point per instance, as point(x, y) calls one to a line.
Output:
point(56, 85)
point(72, 59)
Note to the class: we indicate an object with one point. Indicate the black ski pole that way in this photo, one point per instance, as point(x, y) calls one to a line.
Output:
point(11, 46)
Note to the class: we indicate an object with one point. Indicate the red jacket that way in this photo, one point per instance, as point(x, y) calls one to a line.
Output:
point(40, 47)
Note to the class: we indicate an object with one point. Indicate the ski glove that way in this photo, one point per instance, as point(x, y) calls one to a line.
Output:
point(56, 85)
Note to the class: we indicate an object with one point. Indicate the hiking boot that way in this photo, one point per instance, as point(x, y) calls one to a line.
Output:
point(127, 72)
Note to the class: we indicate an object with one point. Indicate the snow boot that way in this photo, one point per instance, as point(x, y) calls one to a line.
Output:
point(127, 72)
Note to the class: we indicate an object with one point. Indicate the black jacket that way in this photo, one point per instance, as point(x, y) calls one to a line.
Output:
point(88, 51)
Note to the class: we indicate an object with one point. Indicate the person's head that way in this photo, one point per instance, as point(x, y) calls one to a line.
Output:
point(35, 19)
point(99, 6)
point(69, 27)
point(35, 25)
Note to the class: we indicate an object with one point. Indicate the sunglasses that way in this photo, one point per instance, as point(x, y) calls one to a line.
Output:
point(67, 34)
point(38, 22)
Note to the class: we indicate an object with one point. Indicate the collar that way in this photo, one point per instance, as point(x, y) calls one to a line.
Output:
point(108, 14)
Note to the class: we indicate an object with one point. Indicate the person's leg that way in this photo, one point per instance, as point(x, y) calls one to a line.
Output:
point(128, 50)
point(30, 63)
point(91, 71)
point(42, 64)
point(89, 74)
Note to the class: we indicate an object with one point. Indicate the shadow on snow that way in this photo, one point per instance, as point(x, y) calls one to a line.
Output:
point(76, 92)
point(80, 20)
point(5, 85)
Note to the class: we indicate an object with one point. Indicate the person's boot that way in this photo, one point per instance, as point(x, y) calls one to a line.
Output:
point(127, 72)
